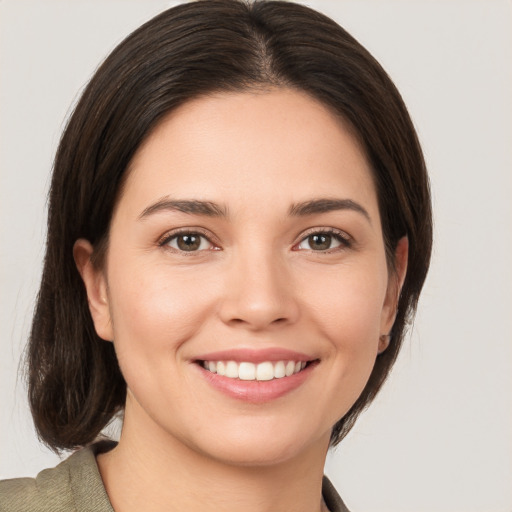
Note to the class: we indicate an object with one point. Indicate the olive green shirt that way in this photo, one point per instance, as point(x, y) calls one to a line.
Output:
point(75, 485)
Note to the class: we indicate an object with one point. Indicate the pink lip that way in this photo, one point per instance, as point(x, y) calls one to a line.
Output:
point(256, 392)
point(255, 356)
point(253, 391)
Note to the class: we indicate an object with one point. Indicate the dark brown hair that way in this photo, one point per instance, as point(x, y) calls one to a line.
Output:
point(75, 385)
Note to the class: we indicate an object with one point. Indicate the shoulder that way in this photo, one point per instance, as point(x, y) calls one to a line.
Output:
point(69, 487)
point(50, 490)
point(332, 498)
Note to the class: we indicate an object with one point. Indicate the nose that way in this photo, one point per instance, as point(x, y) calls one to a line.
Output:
point(259, 292)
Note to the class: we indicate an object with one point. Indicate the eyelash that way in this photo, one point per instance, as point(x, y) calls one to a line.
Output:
point(346, 242)
point(164, 241)
point(340, 236)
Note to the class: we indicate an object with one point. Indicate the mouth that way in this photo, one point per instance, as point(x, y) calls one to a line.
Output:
point(256, 376)
point(248, 371)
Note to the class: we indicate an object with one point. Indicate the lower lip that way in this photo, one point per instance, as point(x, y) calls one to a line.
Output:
point(254, 391)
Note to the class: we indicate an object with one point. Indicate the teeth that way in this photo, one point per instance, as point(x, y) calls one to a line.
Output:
point(221, 368)
point(290, 368)
point(232, 370)
point(279, 370)
point(249, 371)
point(265, 371)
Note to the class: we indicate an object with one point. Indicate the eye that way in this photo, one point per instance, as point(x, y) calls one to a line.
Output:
point(188, 242)
point(322, 241)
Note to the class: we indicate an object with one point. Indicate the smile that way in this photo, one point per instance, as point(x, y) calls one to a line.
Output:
point(264, 371)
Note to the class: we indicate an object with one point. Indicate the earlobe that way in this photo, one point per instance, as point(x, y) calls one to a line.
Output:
point(96, 286)
point(395, 283)
point(384, 341)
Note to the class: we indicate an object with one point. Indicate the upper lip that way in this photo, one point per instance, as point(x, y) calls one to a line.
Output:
point(255, 355)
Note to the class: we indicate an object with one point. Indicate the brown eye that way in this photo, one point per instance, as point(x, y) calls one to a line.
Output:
point(319, 242)
point(323, 241)
point(189, 242)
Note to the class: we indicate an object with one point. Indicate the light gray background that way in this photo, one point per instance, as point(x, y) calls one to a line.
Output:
point(438, 438)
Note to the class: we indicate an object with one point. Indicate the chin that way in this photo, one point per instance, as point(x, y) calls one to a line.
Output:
point(260, 446)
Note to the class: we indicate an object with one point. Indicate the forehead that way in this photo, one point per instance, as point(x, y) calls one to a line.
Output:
point(269, 148)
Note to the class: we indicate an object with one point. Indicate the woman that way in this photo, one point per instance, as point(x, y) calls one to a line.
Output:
point(239, 229)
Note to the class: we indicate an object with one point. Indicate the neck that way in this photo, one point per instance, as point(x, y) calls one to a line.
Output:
point(152, 470)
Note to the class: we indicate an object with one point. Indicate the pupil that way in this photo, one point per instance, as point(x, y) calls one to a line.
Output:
point(320, 242)
point(188, 242)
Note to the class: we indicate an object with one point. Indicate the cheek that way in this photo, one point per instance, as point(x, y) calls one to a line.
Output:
point(347, 303)
point(347, 314)
point(154, 313)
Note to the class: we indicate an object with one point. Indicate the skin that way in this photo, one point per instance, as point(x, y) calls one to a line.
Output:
point(257, 283)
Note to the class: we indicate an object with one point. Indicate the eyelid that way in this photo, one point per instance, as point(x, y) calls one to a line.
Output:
point(345, 239)
point(169, 235)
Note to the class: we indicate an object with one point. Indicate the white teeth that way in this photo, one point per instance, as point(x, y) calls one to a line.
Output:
point(231, 370)
point(264, 371)
point(247, 371)
point(290, 368)
point(221, 368)
point(279, 370)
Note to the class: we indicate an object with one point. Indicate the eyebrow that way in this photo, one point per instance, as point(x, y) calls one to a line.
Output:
point(192, 206)
point(211, 209)
point(327, 205)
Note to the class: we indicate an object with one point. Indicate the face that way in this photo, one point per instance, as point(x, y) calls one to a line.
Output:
point(246, 284)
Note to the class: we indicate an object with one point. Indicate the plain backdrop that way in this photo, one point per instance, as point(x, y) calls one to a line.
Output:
point(439, 436)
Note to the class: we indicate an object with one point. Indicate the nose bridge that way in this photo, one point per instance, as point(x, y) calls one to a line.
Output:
point(258, 290)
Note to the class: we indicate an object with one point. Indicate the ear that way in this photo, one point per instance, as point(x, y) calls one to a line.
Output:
point(96, 287)
point(395, 282)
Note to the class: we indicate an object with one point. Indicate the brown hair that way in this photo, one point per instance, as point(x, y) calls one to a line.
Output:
point(75, 385)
